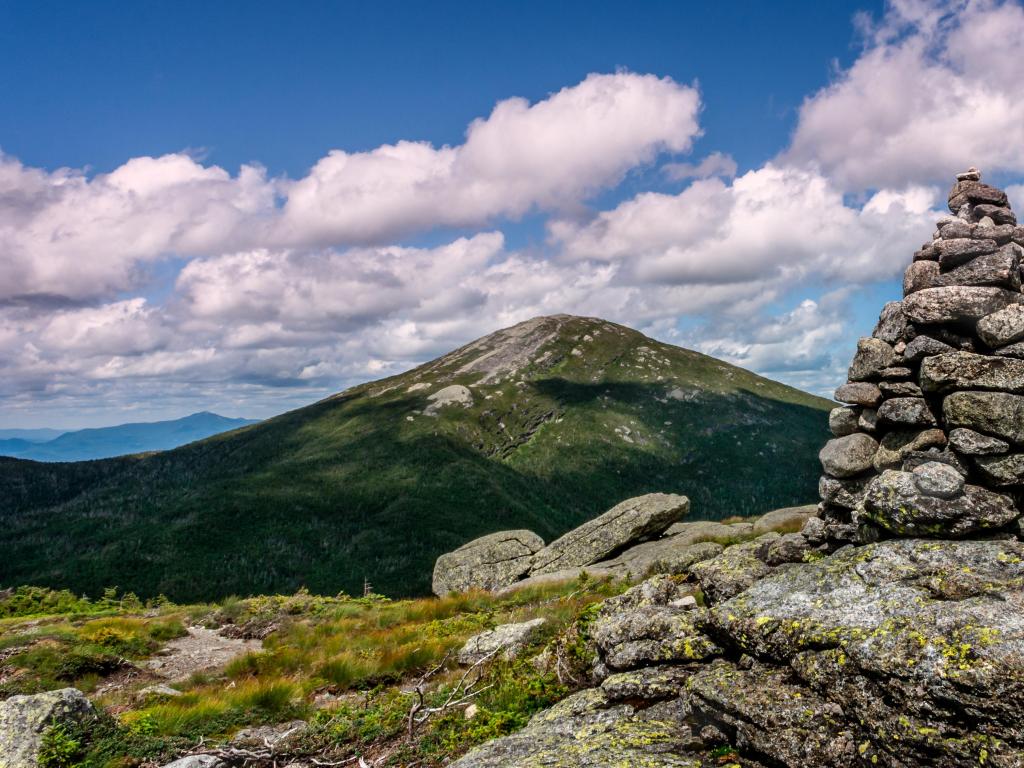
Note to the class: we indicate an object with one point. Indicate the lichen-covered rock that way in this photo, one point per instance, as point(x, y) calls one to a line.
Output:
point(25, 719)
point(961, 250)
point(1003, 327)
point(652, 634)
point(872, 356)
point(972, 443)
point(773, 715)
point(892, 325)
point(844, 493)
point(906, 412)
point(788, 548)
point(1002, 470)
point(1001, 268)
point(506, 640)
point(895, 501)
point(996, 413)
point(964, 370)
point(896, 446)
point(630, 522)
point(848, 456)
point(733, 571)
point(843, 420)
point(490, 562)
point(919, 275)
point(589, 730)
point(650, 683)
point(922, 346)
point(921, 640)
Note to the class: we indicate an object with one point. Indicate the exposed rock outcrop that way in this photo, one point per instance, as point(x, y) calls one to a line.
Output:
point(490, 562)
point(630, 522)
point(25, 719)
point(506, 639)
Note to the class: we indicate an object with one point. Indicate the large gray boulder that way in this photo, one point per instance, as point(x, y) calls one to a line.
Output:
point(506, 640)
point(906, 504)
point(490, 562)
point(630, 522)
point(735, 569)
point(24, 720)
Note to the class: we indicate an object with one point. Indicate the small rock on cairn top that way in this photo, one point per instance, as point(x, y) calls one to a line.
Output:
point(931, 441)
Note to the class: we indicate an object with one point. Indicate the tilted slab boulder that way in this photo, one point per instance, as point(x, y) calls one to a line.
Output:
point(630, 522)
point(490, 562)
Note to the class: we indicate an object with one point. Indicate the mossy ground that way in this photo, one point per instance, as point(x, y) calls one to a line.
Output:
point(342, 664)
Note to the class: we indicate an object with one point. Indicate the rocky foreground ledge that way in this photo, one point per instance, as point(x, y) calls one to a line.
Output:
point(906, 652)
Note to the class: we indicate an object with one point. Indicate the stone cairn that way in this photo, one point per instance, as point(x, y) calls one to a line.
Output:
point(931, 441)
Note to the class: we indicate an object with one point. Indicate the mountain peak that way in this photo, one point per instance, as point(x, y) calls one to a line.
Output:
point(538, 341)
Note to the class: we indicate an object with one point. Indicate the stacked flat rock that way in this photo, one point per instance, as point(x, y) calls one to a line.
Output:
point(931, 439)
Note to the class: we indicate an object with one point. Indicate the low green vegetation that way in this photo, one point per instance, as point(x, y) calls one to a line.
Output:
point(346, 666)
point(367, 485)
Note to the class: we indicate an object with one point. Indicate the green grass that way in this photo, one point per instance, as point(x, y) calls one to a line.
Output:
point(364, 652)
point(349, 489)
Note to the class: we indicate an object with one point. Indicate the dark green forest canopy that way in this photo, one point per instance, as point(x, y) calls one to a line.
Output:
point(566, 420)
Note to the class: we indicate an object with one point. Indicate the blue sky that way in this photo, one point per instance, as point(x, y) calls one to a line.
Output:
point(243, 207)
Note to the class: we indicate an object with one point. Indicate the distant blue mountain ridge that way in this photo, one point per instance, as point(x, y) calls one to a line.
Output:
point(104, 442)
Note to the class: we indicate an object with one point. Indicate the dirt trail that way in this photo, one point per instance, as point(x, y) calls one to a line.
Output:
point(201, 650)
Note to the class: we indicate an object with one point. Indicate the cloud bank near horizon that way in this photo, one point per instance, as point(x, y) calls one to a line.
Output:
point(374, 261)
